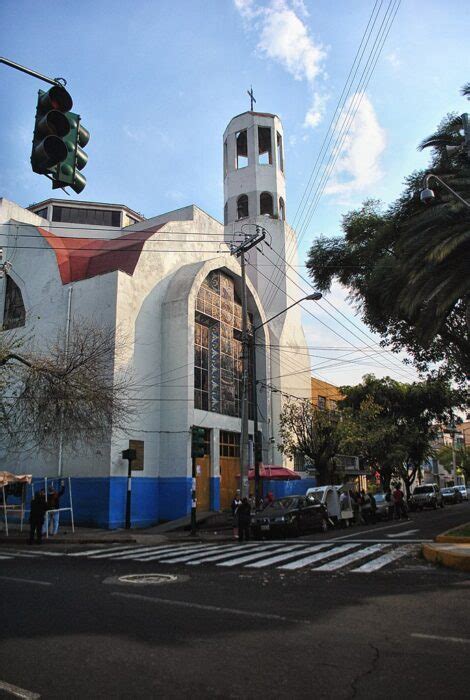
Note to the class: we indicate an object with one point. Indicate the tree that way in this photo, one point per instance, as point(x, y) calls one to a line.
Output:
point(71, 391)
point(407, 267)
point(462, 459)
point(393, 425)
point(307, 430)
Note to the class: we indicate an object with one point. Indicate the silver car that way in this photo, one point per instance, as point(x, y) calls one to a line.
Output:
point(426, 496)
point(463, 490)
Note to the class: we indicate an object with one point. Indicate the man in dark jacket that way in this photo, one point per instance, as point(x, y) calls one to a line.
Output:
point(244, 520)
point(36, 516)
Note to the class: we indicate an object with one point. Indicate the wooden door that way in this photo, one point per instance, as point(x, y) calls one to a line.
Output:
point(229, 480)
point(203, 488)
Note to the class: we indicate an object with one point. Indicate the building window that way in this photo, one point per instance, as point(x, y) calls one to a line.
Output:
point(42, 213)
point(229, 444)
point(265, 155)
point(242, 207)
point(280, 158)
point(242, 149)
point(322, 403)
point(282, 209)
point(299, 462)
point(13, 312)
point(225, 159)
point(266, 204)
point(218, 347)
point(225, 213)
point(201, 366)
point(92, 217)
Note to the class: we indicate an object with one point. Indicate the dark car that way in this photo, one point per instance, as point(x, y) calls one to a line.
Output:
point(382, 506)
point(290, 515)
point(451, 495)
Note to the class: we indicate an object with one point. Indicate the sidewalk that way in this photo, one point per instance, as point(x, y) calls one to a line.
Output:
point(449, 550)
point(211, 528)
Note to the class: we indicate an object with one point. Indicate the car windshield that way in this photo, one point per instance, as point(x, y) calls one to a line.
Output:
point(423, 489)
point(447, 491)
point(284, 503)
point(379, 497)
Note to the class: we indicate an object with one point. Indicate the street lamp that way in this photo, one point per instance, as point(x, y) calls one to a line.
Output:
point(427, 194)
point(315, 296)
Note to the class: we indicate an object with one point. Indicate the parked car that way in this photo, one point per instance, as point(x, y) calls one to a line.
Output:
point(464, 492)
point(290, 515)
point(382, 506)
point(426, 496)
point(451, 495)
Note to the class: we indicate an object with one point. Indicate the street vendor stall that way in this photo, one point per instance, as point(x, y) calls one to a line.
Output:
point(46, 483)
point(337, 501)
point(14, 486)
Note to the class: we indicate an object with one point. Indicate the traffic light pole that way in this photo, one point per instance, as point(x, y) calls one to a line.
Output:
point(193, 497)
point(52, 81)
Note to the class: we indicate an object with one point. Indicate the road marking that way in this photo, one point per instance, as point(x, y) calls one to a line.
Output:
point(256, 555)
point(385, 559)
point(223, 551)
point(210, 608)
point(188, 553)
point(457, 640)
point(283, 557)
point(349, 558)
point(18, 692)
point(305, 561)
point(377, 529)
point(228, 553)
point(403, 534)
point(25, 580)
point(89, 552)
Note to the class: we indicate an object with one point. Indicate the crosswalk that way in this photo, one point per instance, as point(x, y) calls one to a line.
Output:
point(354, 557)
point(328, 556)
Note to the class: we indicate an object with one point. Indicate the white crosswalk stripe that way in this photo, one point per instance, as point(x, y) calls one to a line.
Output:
point(281, 555)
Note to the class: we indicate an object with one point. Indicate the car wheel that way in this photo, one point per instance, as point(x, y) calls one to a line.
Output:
point(434, 505)
point(295, 528)
point(442, 504)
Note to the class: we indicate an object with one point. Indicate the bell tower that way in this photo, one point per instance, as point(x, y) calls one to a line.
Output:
point(255, 195)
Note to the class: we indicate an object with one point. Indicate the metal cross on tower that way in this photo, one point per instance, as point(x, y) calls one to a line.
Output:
point(252, 97)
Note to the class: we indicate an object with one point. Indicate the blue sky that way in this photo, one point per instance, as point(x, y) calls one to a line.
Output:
point(157, 82)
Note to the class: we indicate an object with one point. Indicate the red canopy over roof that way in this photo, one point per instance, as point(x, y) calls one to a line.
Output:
point(81, 258)
point(273, 472)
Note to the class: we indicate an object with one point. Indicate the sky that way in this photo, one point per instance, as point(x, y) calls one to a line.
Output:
point(157, 82)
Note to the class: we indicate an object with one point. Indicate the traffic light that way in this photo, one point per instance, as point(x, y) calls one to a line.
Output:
point(198, 448)
point(58, 140)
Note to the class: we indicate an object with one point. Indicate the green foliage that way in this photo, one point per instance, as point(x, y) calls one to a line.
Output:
point(407, 267)
point(462, 458)
point(392, 425)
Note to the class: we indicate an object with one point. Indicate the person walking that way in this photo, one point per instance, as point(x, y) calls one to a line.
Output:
point(36, 516)
point(391, 505)
point(399, 503)
point(236, 502)
point(365, 507)
point(53, 504)
point(373, 508)
point(244, 520)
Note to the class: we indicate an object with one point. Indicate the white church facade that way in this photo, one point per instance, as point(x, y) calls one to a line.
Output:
point(172, 287)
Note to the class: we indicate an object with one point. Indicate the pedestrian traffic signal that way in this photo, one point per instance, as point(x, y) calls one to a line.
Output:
point(198, 446)
point(58, 140)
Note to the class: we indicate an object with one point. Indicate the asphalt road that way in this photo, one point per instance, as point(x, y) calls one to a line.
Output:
point(70, 629)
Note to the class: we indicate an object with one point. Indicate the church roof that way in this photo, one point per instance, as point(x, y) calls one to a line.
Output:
point(82, 258)
point(255, 114)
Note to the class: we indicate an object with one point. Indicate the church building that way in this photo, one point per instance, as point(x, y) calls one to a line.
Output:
point(172, 286)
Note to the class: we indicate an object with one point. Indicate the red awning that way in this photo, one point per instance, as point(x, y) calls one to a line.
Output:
point(271, 471)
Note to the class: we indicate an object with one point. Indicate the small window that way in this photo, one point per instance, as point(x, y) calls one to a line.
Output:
point(280, 158)
point(242, 149)
point(242, 207)
point(266, 204)
point(225, 159)
point(322, 402)
point(225, 213)
point(14, 312)
point(282, 209)
point(265, 156)
point(42, 213)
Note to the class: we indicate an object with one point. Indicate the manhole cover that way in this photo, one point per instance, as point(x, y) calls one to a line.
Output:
point(143, 579)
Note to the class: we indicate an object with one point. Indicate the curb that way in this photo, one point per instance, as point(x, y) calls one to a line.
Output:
point(452, 539)
point(452, 555)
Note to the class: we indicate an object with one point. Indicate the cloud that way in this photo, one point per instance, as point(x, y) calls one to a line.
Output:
point(284, 38)
point(394, 59)
point(316, 112)
point(358, 160)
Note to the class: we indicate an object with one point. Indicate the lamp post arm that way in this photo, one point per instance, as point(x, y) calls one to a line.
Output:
point(456, 194)
point(279, 314)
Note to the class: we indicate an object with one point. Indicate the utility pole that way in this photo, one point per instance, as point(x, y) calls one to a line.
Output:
point(239, 251)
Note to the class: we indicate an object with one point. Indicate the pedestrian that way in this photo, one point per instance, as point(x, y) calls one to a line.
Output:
point(356, 507)
point(36, 516)
point(53, 504)
point(399, 503)
point(236, 502)
point(391, 505)
point(244, 520)
point(373, 508)
point(365, 507)
point(269, 498)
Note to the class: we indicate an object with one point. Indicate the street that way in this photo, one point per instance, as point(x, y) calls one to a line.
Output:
point(71, 628)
